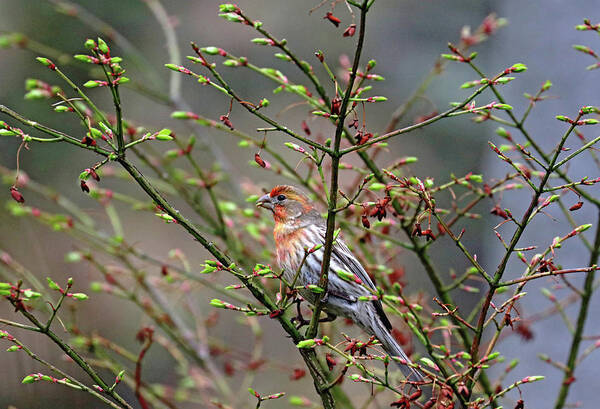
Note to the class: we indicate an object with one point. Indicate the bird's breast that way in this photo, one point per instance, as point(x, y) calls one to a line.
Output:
point(290, 243)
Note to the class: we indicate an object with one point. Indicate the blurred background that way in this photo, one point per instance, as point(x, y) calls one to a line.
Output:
point(405, 38)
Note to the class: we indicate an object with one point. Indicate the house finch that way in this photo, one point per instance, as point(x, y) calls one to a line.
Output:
point(298, 226)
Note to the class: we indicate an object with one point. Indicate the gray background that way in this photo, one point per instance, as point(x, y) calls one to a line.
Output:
point(404, 38)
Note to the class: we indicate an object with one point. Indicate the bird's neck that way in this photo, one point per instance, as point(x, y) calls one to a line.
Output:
point(286, 227)
point(290, 225)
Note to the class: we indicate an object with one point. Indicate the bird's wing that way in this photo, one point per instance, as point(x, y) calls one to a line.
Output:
point(346, 258)
point(342, 257)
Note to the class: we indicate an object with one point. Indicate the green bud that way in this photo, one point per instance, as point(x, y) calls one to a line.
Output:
point(28, 379)
point(428, 362)
point(232, 17)
point(91, 84)
point(315, 288)
point(546, 85)
point(519, 67)
point(96, 286)
point(215, 302)
point(582, 228)
point(231, 63)
point(227, 8)
point(283, 57)
point(377, 186)
point(31, 294)
point(346, 275)
point(470, 84)
point(502, 132)
point(261, 41)
point(35, 94)
point(208, 270)
point(164, 135)
point(83, 58)
point(210, 50)
point(94, 133)
point(46, 62)
point(307, 343)
point(476, 178)
point(451, 57)
point(52, 284)
point(90, 44)
point(102, 46)
point(80, 296)
point(172, 153)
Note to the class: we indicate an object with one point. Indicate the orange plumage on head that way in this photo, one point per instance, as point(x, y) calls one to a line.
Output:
point(291, 193)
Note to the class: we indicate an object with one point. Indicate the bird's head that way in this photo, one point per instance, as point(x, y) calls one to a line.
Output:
point(286, 202)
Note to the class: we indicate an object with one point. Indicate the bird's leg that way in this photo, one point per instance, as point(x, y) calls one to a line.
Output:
point(299, 319)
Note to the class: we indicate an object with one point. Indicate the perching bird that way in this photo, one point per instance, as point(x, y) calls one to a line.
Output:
point(299, 226)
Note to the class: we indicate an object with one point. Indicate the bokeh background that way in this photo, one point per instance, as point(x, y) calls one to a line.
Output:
point(405, 38)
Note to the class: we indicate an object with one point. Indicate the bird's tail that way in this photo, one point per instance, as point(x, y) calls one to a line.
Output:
point(376, 327)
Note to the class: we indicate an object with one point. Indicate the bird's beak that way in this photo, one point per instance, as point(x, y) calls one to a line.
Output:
point(265, 201)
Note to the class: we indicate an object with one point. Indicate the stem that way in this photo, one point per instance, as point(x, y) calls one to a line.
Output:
point(309, 356)
point(75, 357)
point(415, 126)
point(333, 189)
point(588, 290)
point(513, 243)
point(74, 382)
point(52, 132)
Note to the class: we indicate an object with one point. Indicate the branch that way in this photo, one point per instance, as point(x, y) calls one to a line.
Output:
point(333, 189)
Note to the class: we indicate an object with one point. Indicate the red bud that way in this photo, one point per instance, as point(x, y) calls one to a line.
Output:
point(305, 128)
point(334, 20)
point(576, 206)
point(14, 192)
point(259, 160)
point(350, 30)
point(226, 121)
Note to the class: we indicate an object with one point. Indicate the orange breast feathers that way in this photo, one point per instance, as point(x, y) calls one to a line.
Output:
point(289, 243)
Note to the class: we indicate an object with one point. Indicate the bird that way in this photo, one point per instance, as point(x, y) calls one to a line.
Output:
point(299, 226)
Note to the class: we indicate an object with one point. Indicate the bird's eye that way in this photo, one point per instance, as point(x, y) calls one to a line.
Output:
point(281, 198)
